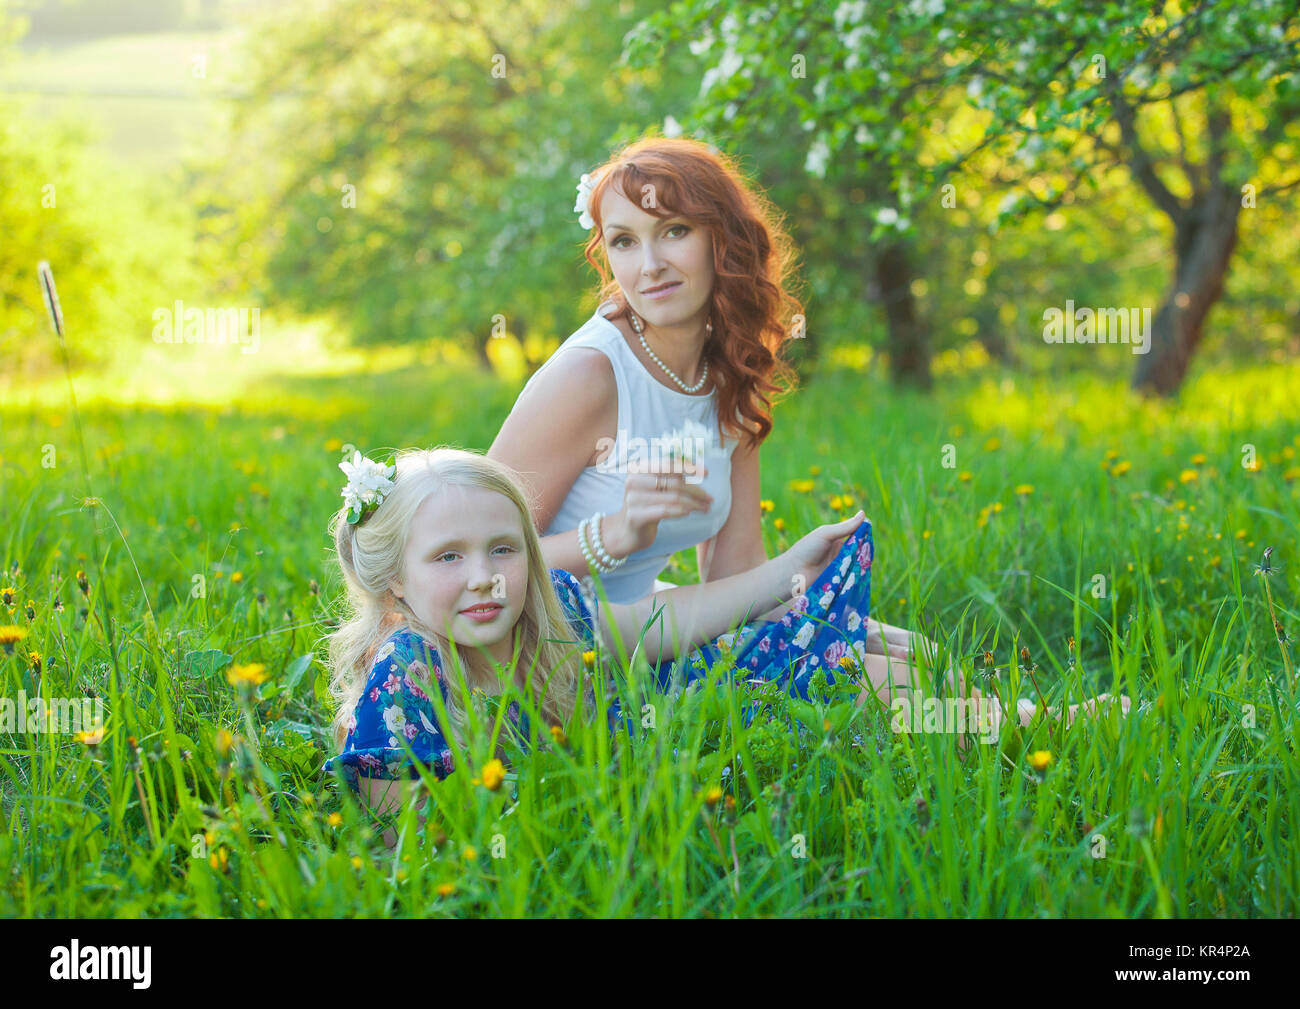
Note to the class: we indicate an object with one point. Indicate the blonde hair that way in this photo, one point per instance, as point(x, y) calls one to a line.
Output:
point(370, 555)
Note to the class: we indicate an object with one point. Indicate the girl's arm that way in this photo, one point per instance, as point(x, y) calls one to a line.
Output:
point(695, 614)
point(738, 545)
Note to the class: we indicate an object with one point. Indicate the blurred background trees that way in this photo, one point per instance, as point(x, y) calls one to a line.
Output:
point(950, 171)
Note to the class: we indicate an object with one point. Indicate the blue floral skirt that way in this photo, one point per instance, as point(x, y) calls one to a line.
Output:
point(824, 629)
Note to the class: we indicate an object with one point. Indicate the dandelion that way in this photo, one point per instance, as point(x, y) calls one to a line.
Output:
point(224, 741)
point(446, 889)
point(10, 635)
point(237, 577)
point(251, 675)
point(713, 796)
point(34, 660)
point(814, 470)
point(1040, 760)
point(91, 737)
point(30, 612)
point(779, 525)
point(996, 507)
point(766, 506)
point(837, 503)
point(925, 534)
point(801, 486)
point(964, 476)
point(356, 861)
point(83, 582)
point(333, 445)
point(589, 659)
point(558, 735)
point(1198, 459)
point(469, 854)
point(1187, 476)
point(7, 597)
point(1121, 467)
point(1112, 453)
point(494, 772)
point(1025, 489)
point(846, 662)
point(334, 820)
point(992, 445)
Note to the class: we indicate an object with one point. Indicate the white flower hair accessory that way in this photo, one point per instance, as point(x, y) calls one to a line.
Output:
point(586, 185)
point(368, 483)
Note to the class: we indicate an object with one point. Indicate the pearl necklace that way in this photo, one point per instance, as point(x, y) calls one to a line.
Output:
point(704, 375)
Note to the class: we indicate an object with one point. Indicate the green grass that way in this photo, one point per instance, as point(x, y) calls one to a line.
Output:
point(218, 470)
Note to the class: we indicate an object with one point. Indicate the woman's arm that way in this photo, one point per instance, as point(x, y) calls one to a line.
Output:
point(389, 795)
point(695, 614)
point(738, 545)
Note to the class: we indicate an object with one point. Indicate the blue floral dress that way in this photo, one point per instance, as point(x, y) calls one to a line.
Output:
point(821, 630)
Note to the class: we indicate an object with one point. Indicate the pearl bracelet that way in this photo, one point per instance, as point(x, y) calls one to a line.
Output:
point(592, 566)
point(606, 560)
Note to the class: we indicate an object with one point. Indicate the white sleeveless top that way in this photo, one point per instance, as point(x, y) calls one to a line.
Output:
point(647, 409)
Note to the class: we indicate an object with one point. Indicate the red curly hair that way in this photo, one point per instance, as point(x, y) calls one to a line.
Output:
point(753, 309)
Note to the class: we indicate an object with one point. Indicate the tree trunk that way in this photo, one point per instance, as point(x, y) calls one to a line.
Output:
point(909, 351)
point(1205, 239)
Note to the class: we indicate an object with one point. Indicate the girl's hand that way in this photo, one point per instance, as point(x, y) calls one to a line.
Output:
point(811, 554)
point(648, 499)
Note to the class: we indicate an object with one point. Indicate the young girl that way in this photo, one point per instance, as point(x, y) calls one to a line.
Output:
point(444, 569)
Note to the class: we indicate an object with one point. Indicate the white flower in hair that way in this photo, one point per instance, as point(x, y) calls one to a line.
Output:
point(368, 483)
point(586, 185)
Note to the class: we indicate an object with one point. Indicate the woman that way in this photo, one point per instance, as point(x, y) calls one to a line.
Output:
point(694, 314)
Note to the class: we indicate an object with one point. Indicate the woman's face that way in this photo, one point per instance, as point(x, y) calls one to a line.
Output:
point(466, 568)
point(646, 251)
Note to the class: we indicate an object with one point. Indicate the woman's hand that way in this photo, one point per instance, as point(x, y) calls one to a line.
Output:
point(811, 554)
point(648, 499)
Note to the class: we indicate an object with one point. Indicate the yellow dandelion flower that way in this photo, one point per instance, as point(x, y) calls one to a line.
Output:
point(779, 525)
point(1254, 466)
point(845, 662)
point(589, 659)
point(1198, 459)
point(837, 502)
point(91, 737)
point(925, 534)
point(224, 741)
point(1121, 467)
point(469, 854)
point(996, 506)
point(446, 889)
point(250, 675)
point(713, 796)
point(237, 577)
point(1112, 453)
point(964, 476)
point(814, 470)
point(1241, 535)
point(558, 735)
point(356, 861)
point(1025, 489)
point(992, 445)
point(1040, 760)
point(10, 635)
point(494, 772)
point(333, 445)
point(801, 486)
point(334, 820)
point(1187, 476)
point(766, 505)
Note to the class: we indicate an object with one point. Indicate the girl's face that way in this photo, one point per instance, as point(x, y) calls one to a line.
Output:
point(466, 569)
point(646, 251)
